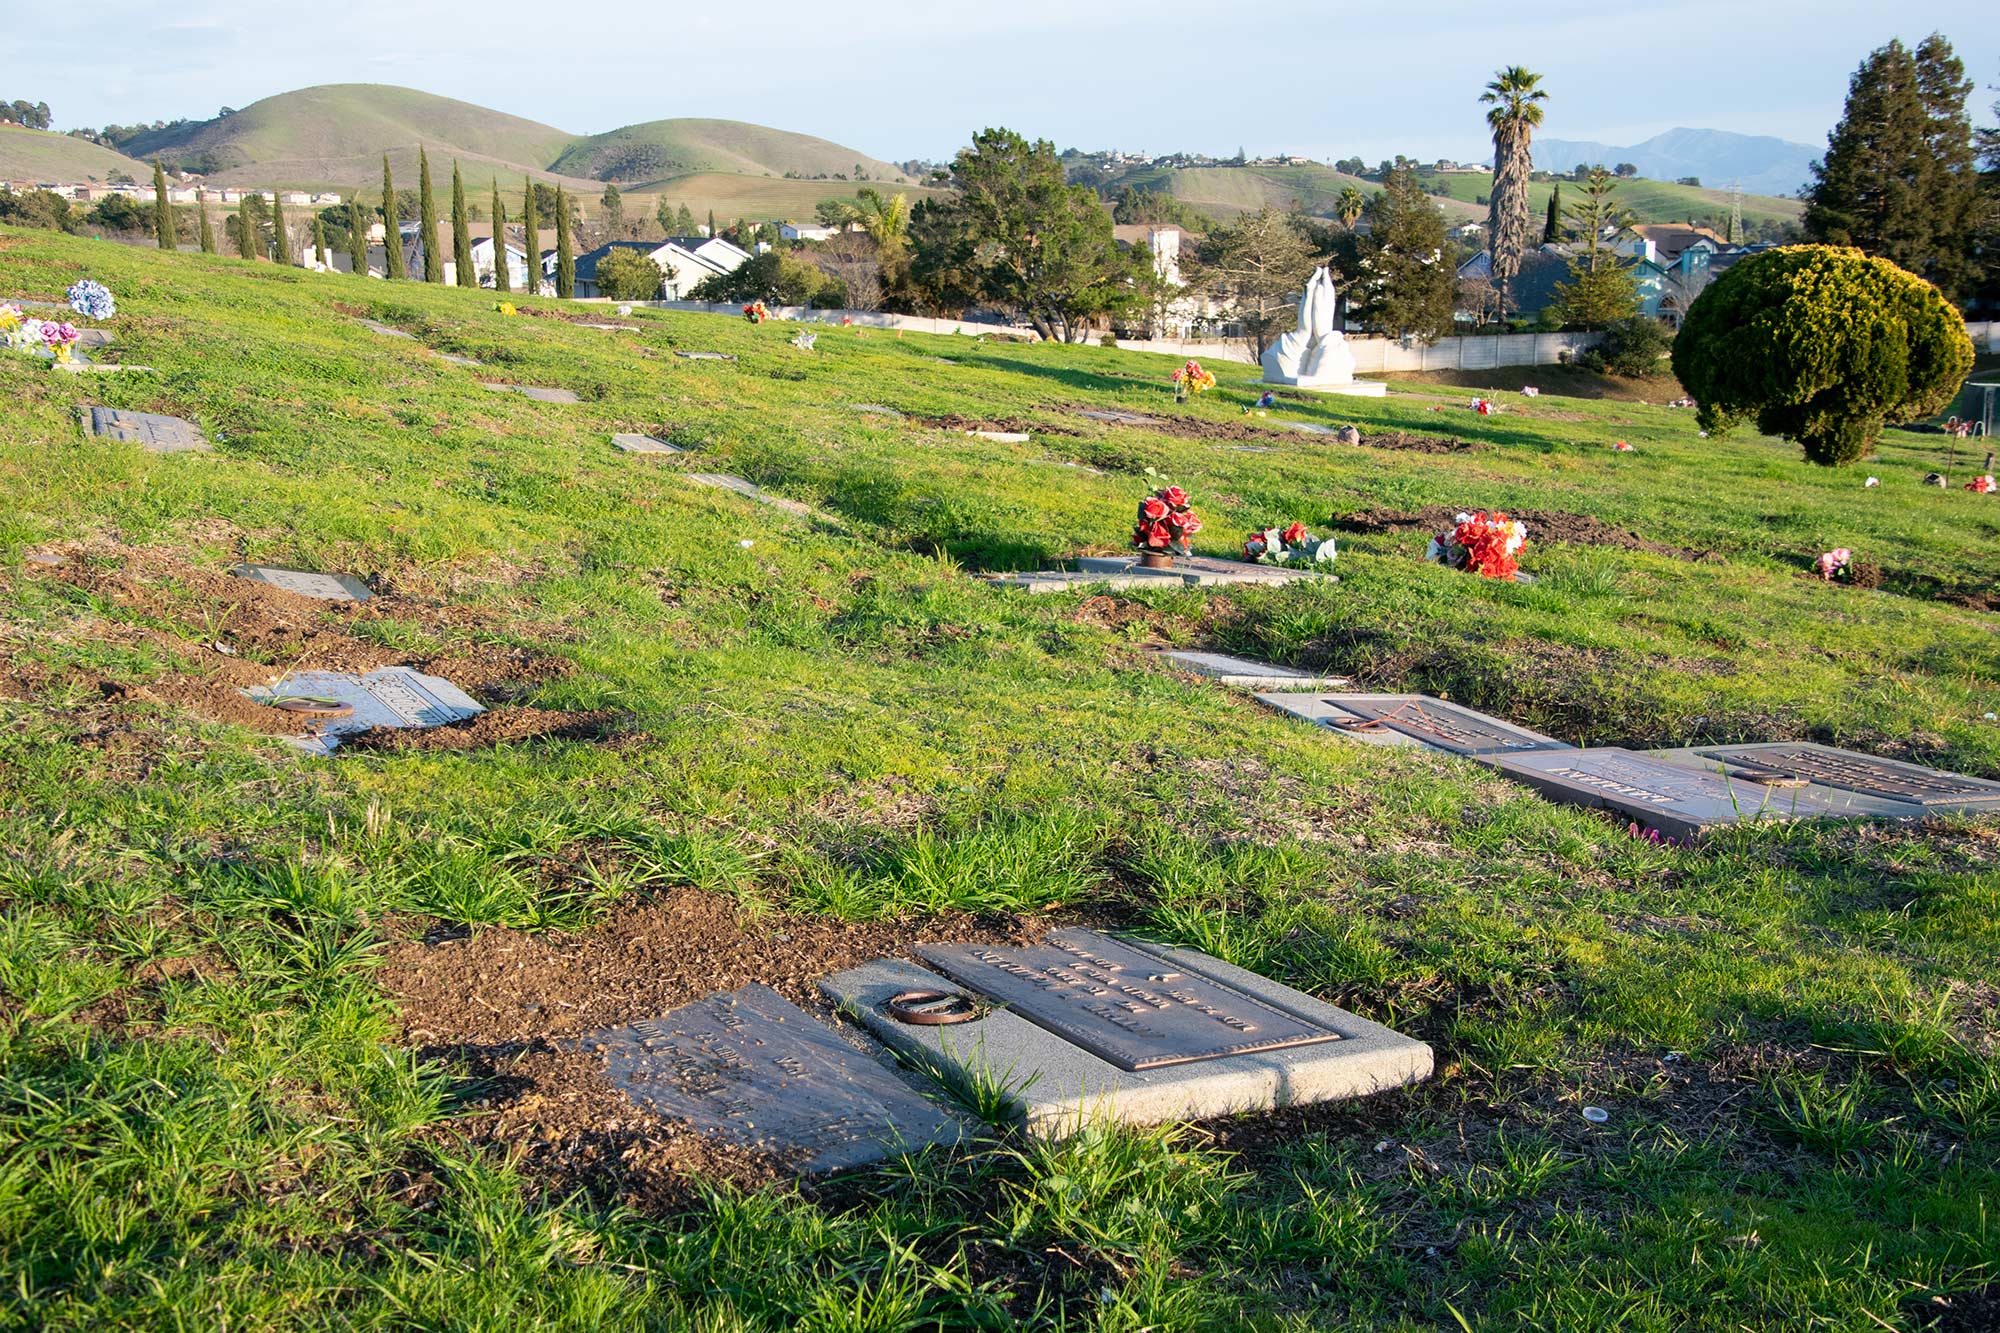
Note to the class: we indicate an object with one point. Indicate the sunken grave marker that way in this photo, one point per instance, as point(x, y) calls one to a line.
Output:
point(535, 392)
point(1405, 719)
point(645, 444)
point(390, 697)
point(1678, 801)
point(307, 583)
point(152, 432)
point(1863, 774)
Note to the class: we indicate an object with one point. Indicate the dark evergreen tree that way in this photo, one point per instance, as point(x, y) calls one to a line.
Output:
point(565, 249)
point(427, 206)
point(163, 210)
point(1898, 180)
point(683, 221)
point(461, 233)
point(392, 226)
point(531, 223)
point(321, 255)
point(207, 227)
point(1552, 227)
point(281, 240)
point(711, 222)
point(247, 243)
point(614, 213)
point(1406, 288)
point(502, 280)
point(357, 236)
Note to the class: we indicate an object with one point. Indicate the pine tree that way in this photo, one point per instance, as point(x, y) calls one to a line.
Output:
point(1869, 191)
point(533, 245)
point(427, 205)
point(357, 236)
point(683, 221)
point(711, 223)
point(207, 227)
point(392, 226)
point(614, 213)
point(163, 210)
point(502, 280)
point(1952, 185)
point(1408, 288)
point(246, 228)
point(280, 237)
point(565, 249)
point(461, 233)
point(321, 255)
point(1552, 227)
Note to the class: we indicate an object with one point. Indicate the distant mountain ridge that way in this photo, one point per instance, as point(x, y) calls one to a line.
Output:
point(1760, 163)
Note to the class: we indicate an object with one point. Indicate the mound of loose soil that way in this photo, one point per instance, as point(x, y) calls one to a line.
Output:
point(1910, 583)
point(1191, 428)
point(1546, 525)
point(496, 726)
point(1418, 444)
point(246, 633)
point(954, 421)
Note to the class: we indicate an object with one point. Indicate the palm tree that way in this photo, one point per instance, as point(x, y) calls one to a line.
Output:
point(1349, 206)
point(886, 218)
point(1514, 97)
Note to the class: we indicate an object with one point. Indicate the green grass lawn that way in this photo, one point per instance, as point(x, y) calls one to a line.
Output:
point(231, 1096)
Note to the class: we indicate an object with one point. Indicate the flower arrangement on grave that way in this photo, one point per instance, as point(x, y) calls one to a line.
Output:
point(1166, 521)
point(1291, 545)
point(1485, 407)
point(507, 308)
point(39, 337)
point(1982, 485)
point(10, 319)
point(1621, 446)
point(756, 312)
point(1191, 379)
point(1485, 544)
point(804, 342)
point(91, 299)
point(1836, 566)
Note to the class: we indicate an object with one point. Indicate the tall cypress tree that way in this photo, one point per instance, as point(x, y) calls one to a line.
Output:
point(427, 206)
point(163, 210)
point(711, 223)
point(1552, 227)
point(246, 227)
point(281, 240)
point(461, 233)
point(392, 226)
point(207, 227)
point(321, 255)
point(357, 236)
point(502, 280)
point(533, 244)
point(565, 249)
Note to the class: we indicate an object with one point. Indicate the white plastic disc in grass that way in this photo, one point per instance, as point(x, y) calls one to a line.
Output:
point(1596, 1115)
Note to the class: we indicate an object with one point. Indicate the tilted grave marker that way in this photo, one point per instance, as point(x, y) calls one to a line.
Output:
point(457, 360)
point(307, 583)
point(1113, 418)
point(753, 1069)
point(152, 432)
point(1866, 775)
point(645, 444)
point(1001, 436)
point(1244, 673)
point(1410, 719)
point(1680, 802)
point(389, 697)
point(535, 392)
point(1086, 1025)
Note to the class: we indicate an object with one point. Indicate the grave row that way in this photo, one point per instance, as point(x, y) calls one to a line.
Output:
point(1081, 1027)
point(1126, 571)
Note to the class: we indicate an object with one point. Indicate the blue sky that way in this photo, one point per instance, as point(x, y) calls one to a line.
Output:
point(910, 78)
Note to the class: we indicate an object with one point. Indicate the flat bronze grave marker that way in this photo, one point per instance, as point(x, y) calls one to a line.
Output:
point(389, 697)
point(386, 330)
point(755, 1070)
point(645, 444)
point(1248, 674)
point(307, 583)
point(455, 359)
point(705, 356)
point(152, 432)
point(1885, 779)
point(1677, 801)
point(1125, 1006)
point(1439, 723)
point(533, 391)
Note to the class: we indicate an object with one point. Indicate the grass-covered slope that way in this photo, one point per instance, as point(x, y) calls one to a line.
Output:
point(1649, 200)
point(659, 149)
point(282, 1040)
point(41, 156)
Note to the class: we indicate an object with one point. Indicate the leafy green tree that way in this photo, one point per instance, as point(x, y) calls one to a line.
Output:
point(503, 281)
point(613, 204)
point(120, 212)
point(626, 274)
point(1632, 347)
point(565, 249)
point(392, 225)
point(1406, 285)
point(427, 207)
point(357, 236)
point(36, 208)
point(281, 236)
point(1017, 235)
point(164, 231)
point(1822, 345)
point(207, 226)
point(684, 223)
point(1899, 179)
point(461, 233)
point(836, 212)
point(1599, 290)
point(1514, 98)
point(531, 224)
point(776, 276)
point(1255, 267)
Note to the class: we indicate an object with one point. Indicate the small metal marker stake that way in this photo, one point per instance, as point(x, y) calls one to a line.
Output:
point(931, 1008)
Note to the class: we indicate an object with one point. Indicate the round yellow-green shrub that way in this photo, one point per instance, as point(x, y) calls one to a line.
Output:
point(1822, 345)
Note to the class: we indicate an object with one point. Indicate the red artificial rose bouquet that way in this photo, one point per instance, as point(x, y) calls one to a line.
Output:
point(1166, 521)
point(1483, 543)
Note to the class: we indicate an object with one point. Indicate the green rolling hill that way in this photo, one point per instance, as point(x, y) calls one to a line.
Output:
point(1649, 200)
point(38, 155)
point(660, 150)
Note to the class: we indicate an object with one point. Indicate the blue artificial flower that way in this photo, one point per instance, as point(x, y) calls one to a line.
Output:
point(92, 299)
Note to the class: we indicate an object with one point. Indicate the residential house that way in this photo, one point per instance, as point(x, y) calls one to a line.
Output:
point(807, 231)
point(481, 234)
point(1180, 316)
point(685, 262)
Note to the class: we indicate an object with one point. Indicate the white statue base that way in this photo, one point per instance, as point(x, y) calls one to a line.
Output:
point(1315, 355)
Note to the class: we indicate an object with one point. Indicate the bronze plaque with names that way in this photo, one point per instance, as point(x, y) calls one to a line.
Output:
point(1445, 725)
point(754, 1069)
point(1122, 1003)
point(1864, 773)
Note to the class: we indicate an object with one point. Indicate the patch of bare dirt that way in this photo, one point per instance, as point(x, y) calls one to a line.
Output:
point(500, 985)
point(1186, 427)
point(1418, 444)
point(1546, 525)
point(1909, 583)
point(954, 421)
point(1975, 1311)
point(496, 726)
